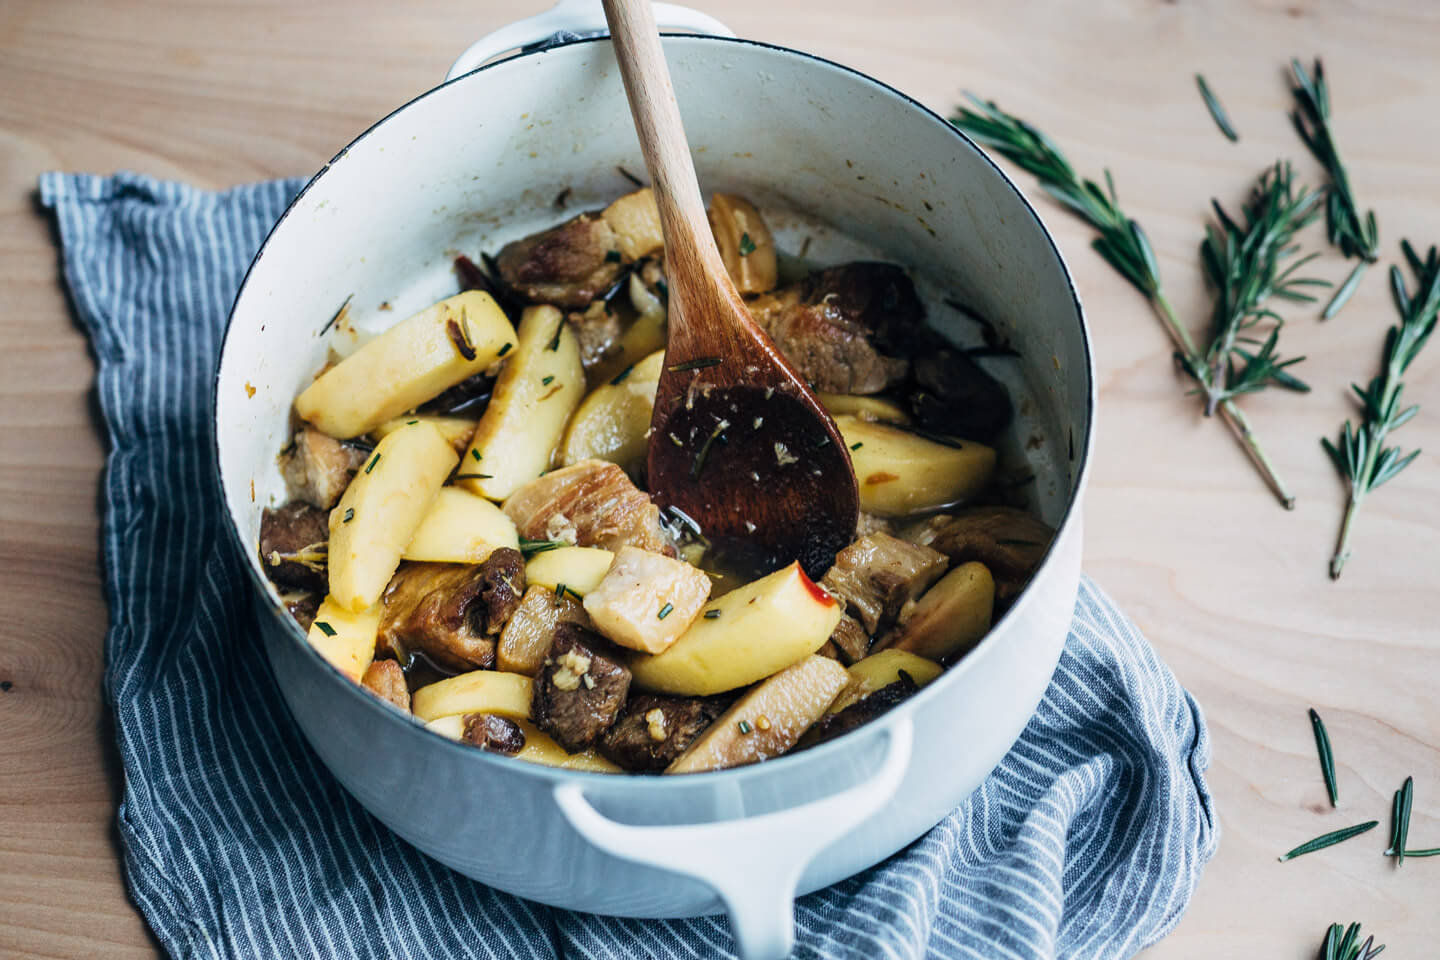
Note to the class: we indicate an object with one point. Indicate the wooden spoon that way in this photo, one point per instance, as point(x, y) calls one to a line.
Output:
point(738, 442)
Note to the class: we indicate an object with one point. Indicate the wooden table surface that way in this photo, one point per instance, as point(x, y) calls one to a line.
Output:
point(1231, 589)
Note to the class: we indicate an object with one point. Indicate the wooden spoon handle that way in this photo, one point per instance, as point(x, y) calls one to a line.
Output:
point(662, 138)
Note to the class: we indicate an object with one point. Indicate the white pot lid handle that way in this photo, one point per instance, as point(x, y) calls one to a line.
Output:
point(575, 18)
point(754, 863)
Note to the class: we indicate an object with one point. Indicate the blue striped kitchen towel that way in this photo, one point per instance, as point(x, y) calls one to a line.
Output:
point(1085, 842)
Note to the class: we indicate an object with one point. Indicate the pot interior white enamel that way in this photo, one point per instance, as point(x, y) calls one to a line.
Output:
point(828, 154)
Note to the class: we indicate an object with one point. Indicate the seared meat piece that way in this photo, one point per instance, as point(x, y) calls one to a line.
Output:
point(317, 468)
point(386, 680)
point(451, 612)
point(581, 688)
point(597, 329)
point(567, 266)
point(293, 539)
point(878, 575)
point(503, 573)
point(302, 605)
point(1010, 542)
point(496, 734)
point(949, 393)
point(594, 502)
point(831, 324)
point(849, 639)
point(654, 730)
point(859, 713)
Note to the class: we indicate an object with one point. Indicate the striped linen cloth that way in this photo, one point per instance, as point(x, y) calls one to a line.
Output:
point(1086, 842)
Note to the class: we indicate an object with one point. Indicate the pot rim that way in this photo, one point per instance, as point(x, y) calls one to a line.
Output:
point(780, 765)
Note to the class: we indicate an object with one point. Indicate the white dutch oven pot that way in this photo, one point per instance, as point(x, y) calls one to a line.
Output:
point(480, 160)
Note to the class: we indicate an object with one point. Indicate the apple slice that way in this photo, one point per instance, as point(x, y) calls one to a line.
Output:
point(768, 720)
point(743, 636)
point(479, 691)
point(345, 638)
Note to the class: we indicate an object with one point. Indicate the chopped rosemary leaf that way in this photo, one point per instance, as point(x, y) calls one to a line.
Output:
point(857, 445)
point(747, 246)
point(546, 380)
point(371, 465)
point(411, 423)
point(612, 256)
point(699, 363)
point(475, 454)
point(555, 341)
point(712, 614)
point(339, 315)
point(699, 463)
point(824, 439)
point(473, 476)
point(504, 350)
point(325, 628)
point(1429, 852)
point(349, 515)
point(559, 590)
point(1327, 759)
point(665, 611)
point(1330, 839)
point(619, 378)
point(744, 726)
point(530, 547)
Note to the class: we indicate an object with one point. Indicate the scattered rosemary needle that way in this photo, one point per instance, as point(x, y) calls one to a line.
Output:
point(1327, 759)
point(1360, 455)
point(1356, 237)
point(1330, 839)
point(1343, 943)
point(1400, 821)
point(1124, 245)
point(1217, 112)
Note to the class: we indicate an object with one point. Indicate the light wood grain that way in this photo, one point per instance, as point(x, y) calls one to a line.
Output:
point(1231, 589)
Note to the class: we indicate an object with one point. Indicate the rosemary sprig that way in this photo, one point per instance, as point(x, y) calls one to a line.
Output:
point(1330, 839)
point(1327, 758)
point(1125, 246)
point(1217, 112)
point(1343, 943)
point(1356, 236)
point(1360, 455)
point(1400, 821)
point(1245, 265)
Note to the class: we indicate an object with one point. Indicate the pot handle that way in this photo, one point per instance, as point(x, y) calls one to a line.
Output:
point(580, 17)
point(754, 864)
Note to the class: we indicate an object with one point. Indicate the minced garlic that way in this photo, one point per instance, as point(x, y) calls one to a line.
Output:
point(573, 667)
point(655, 721)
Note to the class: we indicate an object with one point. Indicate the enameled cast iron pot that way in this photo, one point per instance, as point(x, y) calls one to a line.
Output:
point(480, 160)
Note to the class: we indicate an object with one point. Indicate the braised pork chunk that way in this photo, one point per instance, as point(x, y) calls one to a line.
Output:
point(451, 612)
point(594, 503)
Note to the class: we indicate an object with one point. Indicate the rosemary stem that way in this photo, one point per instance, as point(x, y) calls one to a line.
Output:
point(1177, 331)
point(1241, 425)
point(1237, 420)
point(1342, 548)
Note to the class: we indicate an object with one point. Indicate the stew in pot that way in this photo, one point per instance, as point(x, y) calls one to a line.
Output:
point(469, 537)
